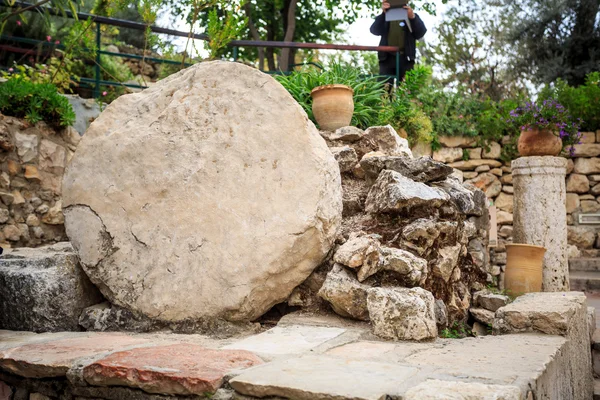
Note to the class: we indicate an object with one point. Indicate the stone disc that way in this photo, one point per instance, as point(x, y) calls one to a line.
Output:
point(209, 195)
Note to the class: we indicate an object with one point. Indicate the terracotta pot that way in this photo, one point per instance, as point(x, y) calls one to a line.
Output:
point(524, 265)
point(333, 106)
point(535, 142)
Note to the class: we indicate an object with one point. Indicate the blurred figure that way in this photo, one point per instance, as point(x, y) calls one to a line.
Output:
point(397, 33)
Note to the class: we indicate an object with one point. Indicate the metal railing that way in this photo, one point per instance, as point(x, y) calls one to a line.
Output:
point(97, 82)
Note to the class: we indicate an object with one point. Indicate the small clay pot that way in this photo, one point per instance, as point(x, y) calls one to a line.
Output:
point(524, 265)
point(333, 106)
point(535, 142)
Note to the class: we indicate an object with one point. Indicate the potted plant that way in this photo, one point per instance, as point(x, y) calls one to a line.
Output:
point(332, 106)
point(546, 129)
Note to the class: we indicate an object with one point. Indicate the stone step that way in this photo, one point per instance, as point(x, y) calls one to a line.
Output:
point(585, 281)
point(596, 389)
point(584, 264)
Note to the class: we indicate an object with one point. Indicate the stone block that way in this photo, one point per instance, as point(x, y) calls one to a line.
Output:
point(475, 154)
point(321, 378)
point(437, 389)
point(54, 358)
point(580, 236)
point(587, 166)
point(587, 137)
point(494, 151)
point(289, 339)
point(504, 202)
point(490, 301)
point(180, 369)
point(572, 203)
point(347, 296)
point(448, 155)
point(44, 289)
point(457, 141)
point(470, 165)
point(402, 314)
point(577, 183)
point(559, 313)
point(587, 150)
point(345, 156)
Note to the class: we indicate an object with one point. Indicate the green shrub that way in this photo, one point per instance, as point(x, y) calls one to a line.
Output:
point(582, 102)
point(369, 91)
point(35, 102)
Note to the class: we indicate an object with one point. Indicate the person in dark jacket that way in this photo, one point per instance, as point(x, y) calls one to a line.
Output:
point(397, 33)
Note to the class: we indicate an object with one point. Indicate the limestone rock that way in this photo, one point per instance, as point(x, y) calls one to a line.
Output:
point(448, 155)
point(572, 203)
point(27, 146)
point(439, 389)
point(570, 166)
point(504, 218)
point(402, 314)
point(457, 141)
point(469, 174)
point(412, 269)
point(490, 301)
point(43, 289)
point(345, 156)
point(475, 154)
point(388, 141)
point(213, 196)
point(345, 134)
point(55, 215)
point(507, 179)
point(457, 175)
point(358, 250)
point(590, 206)
point(587, 150)
point(423, 232)
point(422, 169)
point(447, 261)
point(422, 149)
point(504, 202)
point(581, 237)
point(441, 315)
point(482, 168)
point(347, 296)
point(487, 182)
point(393, 192)
point(469, 200)
point(472, 164)
point(587, 166)
point(494, 151)
point(577, 183)
point(482, 315)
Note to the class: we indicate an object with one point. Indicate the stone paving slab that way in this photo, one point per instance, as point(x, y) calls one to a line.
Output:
point(512, 359)
point(174, 369)
point(54, 358)
point(324, 378)
point(289, 339)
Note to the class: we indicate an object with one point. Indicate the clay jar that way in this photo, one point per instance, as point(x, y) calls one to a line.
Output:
point(332, 106)
point(524, 264)
point(536, 142)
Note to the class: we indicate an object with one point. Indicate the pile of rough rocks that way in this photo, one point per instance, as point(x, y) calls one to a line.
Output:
point(32, 163)
point(413, 242)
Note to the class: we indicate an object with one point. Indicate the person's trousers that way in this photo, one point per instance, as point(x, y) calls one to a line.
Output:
point(388, 67)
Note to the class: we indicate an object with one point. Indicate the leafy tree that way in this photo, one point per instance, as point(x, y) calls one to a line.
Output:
point(556, 38)
point(291, 20)
point(472, 51)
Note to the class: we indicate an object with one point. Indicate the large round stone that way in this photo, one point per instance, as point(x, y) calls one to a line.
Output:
point(209, 195)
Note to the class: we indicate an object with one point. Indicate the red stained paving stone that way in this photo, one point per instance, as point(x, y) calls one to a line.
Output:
point(54, 358)
point(173, 369)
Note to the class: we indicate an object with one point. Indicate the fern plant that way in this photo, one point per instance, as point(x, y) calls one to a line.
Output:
point(35, 102)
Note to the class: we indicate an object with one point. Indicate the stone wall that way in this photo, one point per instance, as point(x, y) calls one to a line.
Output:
point(32, 162)
point(485, 169)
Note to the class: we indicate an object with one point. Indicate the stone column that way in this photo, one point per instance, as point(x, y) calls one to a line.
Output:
point(540, 215)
